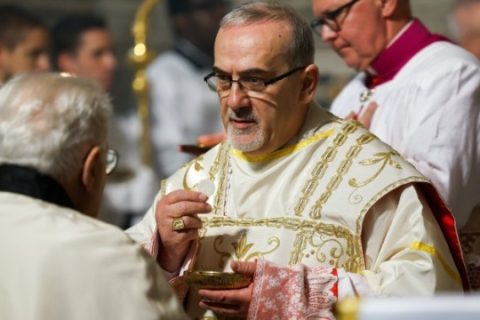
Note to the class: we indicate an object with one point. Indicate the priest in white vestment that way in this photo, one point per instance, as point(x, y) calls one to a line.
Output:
point(58, 262)
point(417, 92)
point(312, 207)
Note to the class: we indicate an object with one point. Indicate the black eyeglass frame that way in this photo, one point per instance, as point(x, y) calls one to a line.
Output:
point(239, 80)
point(330, 18)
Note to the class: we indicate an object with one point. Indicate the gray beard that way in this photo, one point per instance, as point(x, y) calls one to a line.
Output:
point(254, 144)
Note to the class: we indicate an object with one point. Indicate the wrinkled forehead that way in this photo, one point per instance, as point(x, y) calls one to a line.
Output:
point(263, 44)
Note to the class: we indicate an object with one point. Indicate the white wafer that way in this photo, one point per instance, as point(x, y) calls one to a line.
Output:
point(206, 187)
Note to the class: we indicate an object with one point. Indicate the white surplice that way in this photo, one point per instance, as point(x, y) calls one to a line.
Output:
point(181, 108)
point(430, 113)
point(58, 264)
point(336, 200)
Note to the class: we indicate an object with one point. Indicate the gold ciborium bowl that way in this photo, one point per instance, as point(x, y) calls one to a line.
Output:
point(216, 280)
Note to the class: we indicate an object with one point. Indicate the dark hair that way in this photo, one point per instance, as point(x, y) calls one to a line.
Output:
point(67, 32)
point(15, 22)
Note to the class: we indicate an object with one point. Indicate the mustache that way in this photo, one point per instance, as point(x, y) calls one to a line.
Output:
point(242, 114)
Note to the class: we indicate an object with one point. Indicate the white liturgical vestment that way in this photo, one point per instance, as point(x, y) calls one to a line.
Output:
point(430, 113)
point(335, 197)
point(428, 97)
point(182, 108)
point(59, 264)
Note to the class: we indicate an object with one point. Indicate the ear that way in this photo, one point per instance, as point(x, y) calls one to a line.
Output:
point(67, 63)
point(309, 83)
point(93, 170)
point(390, 7)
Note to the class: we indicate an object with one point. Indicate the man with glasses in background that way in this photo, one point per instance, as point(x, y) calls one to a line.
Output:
point(324, 207)
point(416, 91)
point(57, 261)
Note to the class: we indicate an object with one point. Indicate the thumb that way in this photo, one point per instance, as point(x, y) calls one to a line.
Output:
point(244, 267)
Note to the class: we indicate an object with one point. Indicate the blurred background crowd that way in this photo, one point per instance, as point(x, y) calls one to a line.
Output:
point(182, 36)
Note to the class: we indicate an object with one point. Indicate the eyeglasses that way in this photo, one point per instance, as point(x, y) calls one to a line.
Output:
point(220, 82)
point(331, 18)
point(112, 161)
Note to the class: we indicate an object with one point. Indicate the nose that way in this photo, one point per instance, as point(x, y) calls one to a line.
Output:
point(109, 62)
point(328, 34)
point(42, 63)
point(236, 96)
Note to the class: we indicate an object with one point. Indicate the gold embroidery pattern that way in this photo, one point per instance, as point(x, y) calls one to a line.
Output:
point(216, 163)
point(306, 229)
point(285, 151)
point(197, 166)
point(163, 188)
point(432, 251)
point(375, 198)
point(299, 247)
point(329, 234)
point(335, 252)
point(385, 158)
point(221, 160)
point(220, 163)
point(343, 168)
point(382, 193)
point(321, 167)
point(242, 248)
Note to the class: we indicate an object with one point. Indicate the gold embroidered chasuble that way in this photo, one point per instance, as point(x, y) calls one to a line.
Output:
point(303, 204)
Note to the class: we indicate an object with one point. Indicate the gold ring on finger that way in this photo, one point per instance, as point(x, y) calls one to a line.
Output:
point(178, 224)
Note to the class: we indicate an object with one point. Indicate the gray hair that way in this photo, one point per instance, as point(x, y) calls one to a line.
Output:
point(301, 51)
point(49, 121)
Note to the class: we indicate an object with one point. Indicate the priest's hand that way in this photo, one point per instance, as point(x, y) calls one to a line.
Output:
point(365, 117)
point(232, 302)
point(178, 224)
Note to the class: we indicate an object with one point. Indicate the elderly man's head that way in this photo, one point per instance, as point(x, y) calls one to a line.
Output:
point(264, 75)
point(358, 30)
point(57, 125)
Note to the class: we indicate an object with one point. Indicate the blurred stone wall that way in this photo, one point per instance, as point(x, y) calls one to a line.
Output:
point(120, 13)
